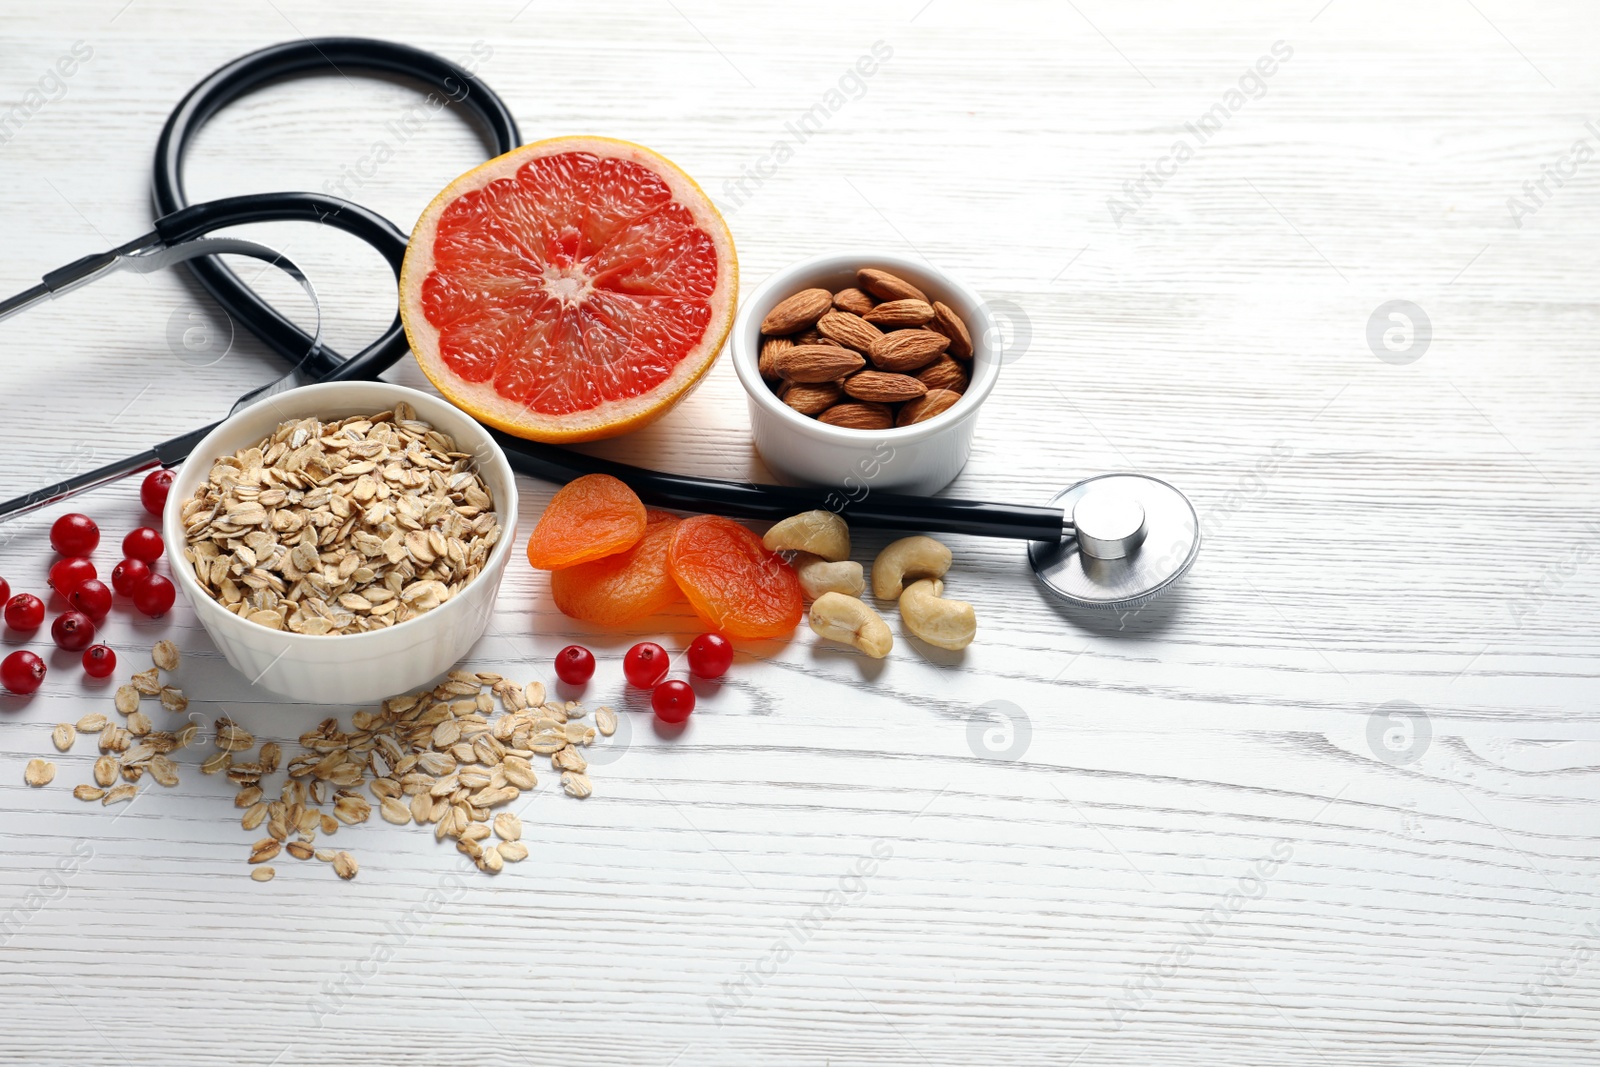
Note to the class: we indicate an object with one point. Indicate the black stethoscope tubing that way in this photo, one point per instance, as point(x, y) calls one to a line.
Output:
point(181, 221)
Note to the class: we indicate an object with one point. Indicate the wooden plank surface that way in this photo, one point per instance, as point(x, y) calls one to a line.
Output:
point(1191, 845)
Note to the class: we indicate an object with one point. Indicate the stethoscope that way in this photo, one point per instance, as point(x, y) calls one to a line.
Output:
point(1113, 541)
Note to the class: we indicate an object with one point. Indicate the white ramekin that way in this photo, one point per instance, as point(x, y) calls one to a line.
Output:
point(347, 668)
point(922, 458)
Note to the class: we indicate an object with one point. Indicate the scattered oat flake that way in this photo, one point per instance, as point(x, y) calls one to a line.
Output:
point(63, 736)
point(262, 874)
point(119, 794)
point(605, 720)
point(105, 771)
point(231, 737)
point(507, 826)
point(513, 851)
point(345, 866)
point(165, 655)
point(127, 699)
point(92, 723)
point(147, 683)
point(88, 792)
point(163, 770)
point(39, 772)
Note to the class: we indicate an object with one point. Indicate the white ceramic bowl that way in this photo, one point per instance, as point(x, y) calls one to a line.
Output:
point(347, 668)
point(922, 458)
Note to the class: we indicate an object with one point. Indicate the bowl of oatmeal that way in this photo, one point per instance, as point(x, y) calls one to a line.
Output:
point(343, 542)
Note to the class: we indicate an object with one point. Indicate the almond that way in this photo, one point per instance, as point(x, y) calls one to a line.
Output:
point(923, 408)
point(819, 363)
point(770, 347)
point(797, 312)
point(851, 331)
point(905, 350)
point(944, 373)
point(901, 313)
point(813, 336)
point(810, 398)
point(886, 286)
point(883, 387)
point(853, 300)
point(859, 416)
point(949, 323)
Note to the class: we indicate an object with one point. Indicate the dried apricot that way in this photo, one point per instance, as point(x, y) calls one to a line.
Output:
point(623, 587)
point(732, 580)
point(589, 517)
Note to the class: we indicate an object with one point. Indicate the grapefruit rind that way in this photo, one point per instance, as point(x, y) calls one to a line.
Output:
point(609, 418)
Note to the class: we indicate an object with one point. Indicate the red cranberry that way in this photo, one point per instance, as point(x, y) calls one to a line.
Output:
point(73, 631)
point(154, 596)
point(74, 535)
point(24, 612)
point(127, 575)
point(67, 574)
point(672, 701)
point(153, 491)
point(143, 543)
point(99, 661)
point(22, 672)
point(574, 664)
point(710, 656)
point(93, 598)
point(645, 664)
point(5, 590)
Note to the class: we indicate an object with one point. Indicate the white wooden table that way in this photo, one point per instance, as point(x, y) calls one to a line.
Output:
point(1210, 836)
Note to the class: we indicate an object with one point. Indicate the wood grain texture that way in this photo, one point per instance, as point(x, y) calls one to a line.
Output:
point(1200, 856)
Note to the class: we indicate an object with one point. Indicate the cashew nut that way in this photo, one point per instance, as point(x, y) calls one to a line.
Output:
point(948, 624)
point(844, 618)
point(909, 557)
point(822, 533)
point(818, 576)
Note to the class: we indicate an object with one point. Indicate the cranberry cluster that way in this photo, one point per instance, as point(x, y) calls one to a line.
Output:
point(76, 581)
point(710, 655)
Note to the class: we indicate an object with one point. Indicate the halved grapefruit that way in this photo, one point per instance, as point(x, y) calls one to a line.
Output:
point(571, 289)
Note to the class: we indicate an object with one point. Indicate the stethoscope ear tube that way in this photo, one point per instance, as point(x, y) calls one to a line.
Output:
point(243, 75)
point(283, 336)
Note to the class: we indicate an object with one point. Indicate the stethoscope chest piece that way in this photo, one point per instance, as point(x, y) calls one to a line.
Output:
point(1132, 536)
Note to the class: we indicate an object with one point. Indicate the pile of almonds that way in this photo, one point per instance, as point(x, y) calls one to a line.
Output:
point(872, 357)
